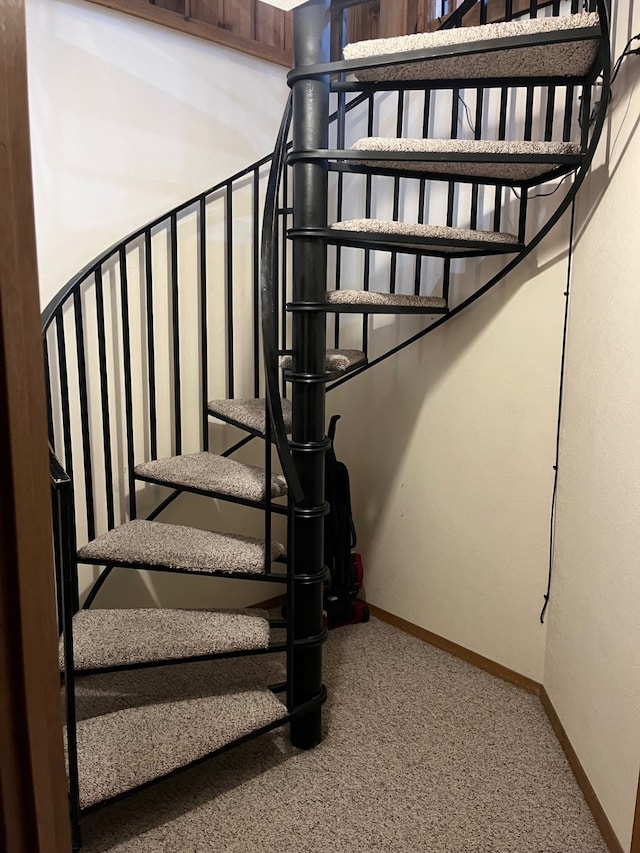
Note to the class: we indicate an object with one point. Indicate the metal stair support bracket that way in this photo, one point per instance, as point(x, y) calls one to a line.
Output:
point(310, 188)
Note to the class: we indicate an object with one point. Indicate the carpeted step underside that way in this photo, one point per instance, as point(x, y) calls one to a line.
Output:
point(563, 59)
point(105, 638)
point(337, 360)
point(371, 298)
point(424, 233)
point(124, 749)
point(505, 169)
point(215, 474)
point(152, 543)
point(247, 414)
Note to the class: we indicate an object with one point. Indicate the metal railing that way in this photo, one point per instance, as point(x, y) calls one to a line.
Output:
point(193, 305)
point(134, 346)
point(550, 110)
point(141, 338)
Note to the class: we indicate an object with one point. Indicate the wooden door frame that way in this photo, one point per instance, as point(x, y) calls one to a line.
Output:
point(635, 838)
point(33, 786)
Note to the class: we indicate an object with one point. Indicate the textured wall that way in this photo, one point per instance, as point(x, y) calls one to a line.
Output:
point(592, 668)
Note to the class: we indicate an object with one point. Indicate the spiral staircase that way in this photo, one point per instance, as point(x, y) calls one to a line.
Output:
point(420, 171)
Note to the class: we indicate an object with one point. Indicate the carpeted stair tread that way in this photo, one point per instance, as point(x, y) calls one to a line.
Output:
point(337, 360)
point(557, 59)
point(210, 473)
point(505, 169)
point(425, 233)
point(247, 414)
point(125, 749)
point(172, 546)
point(106, 638)
point(369, 297)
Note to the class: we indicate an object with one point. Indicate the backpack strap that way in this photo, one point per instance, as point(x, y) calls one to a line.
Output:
point(332, 427)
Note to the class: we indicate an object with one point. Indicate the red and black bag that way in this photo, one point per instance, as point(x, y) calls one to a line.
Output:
point(341, 602)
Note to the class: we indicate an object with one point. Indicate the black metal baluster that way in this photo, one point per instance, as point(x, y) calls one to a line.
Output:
point(277, 296)
point(268, 438)
point(229, 287)
point(477, 134)
point(451, 195)
point(340, 145)
point(69, 607)
point(567, 127)
point(393, 272)
point(422, 195)
point(151, 349)
point(550, 114)
point(128, 393)
point(502, 132)
point(204, 325)
point(283, 261)
point(47, 379)
point(255, 184)
point(57, 557)
point(367, 213)
point(64, 392)
point(528, 113)
point(84, 414)
point(585, 116)
point(104, 396)
point(175, 323)
point(522, 227)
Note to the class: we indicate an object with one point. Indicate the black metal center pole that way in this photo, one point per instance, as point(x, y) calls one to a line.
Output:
point(310, 130)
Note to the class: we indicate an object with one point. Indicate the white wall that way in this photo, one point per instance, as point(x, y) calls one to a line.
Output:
point(450, 446)
point(592, 671)
point(129, 119)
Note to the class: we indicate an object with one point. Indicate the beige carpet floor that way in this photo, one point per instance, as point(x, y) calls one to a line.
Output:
point(422, 754)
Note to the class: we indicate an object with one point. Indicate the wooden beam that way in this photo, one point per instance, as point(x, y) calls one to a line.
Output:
point(635, 839)
point(33, 783)
point(274, 27)
point(204, 28)
point(240, 18)
point(395, 17)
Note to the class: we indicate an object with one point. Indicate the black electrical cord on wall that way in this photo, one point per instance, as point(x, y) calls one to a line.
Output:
point(563, 360)
point(628, 51)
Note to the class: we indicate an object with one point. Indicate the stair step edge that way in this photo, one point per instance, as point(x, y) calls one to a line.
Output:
point(211, 473)
point(123, 750)
point(107, 638)
point(177, 547)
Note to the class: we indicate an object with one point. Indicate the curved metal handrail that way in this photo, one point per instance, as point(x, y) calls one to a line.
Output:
point(268, 276)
